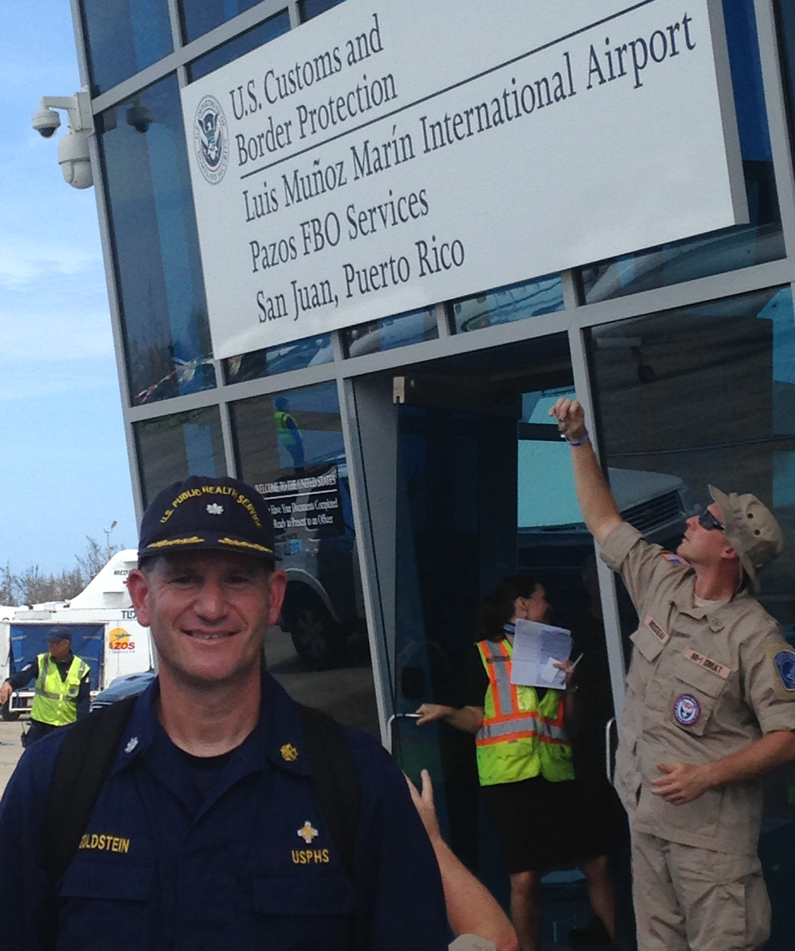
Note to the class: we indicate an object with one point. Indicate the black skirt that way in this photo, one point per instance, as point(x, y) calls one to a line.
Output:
point(542, 825)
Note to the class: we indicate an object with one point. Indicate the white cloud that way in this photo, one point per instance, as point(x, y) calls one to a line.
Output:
point(56, 335)
point(42, 384)
point(26, 260)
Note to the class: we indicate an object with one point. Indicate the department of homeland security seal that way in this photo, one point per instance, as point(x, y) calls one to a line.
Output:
point(211, 139)
point(687, 710)
point(785, 664)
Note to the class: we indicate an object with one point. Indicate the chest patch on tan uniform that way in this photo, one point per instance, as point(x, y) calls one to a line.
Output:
point(712, 665)
point(656, 629)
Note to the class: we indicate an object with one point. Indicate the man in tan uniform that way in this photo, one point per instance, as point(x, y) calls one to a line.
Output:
point(710, 707)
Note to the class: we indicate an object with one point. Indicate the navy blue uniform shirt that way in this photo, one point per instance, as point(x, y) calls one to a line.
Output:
point(253, 867)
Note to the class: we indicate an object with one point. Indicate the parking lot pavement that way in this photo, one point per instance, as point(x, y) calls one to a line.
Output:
point(10, 750)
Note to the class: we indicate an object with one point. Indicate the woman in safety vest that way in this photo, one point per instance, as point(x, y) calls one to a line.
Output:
point(524, 761)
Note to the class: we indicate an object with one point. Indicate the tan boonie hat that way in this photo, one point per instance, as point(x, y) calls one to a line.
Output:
point(751, 530)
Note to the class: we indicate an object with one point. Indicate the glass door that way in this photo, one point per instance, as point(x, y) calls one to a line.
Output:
point(469, 482)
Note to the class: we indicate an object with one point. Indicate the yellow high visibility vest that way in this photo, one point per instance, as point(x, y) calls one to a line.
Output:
point(285, 434)
point(521, 736)
point(55, 700)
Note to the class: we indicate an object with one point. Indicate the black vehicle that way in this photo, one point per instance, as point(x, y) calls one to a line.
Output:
point(316, 541)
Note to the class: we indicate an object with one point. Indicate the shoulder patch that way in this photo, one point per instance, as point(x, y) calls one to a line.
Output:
point(783, 659)
point(672, 558)
point(785, 665)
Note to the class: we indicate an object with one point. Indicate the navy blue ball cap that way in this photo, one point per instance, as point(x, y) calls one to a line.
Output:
point(59, 634)
point(204, 513)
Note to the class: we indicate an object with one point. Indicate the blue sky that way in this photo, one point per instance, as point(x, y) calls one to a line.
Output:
point(64, 472)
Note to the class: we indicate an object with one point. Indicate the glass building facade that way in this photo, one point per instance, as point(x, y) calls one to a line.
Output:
point(409, 461)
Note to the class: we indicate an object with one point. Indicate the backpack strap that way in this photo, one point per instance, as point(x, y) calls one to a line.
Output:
point(335, 786)
point(334, 781)
point(84, 761)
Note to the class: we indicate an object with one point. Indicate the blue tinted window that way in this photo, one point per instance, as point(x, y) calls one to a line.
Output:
point(240, 45)
point(174, 447)
point(544, 295)
point(201, 16)
point(785, 14)
point(391, 332)
point(289, 446)
point(154, 229)
point(124, 36)
point(730, 248)
point(309, 352)
point(312, 8)
point(281, 432)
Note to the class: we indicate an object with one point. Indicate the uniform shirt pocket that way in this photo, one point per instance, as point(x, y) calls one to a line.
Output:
point(648, 643)
point(102, 898)
point(300, 911)
point(648, 648)
point(696, 691)
point(297, 895)
point(106, 881)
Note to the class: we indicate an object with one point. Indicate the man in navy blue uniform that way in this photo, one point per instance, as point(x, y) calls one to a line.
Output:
point(206, 834)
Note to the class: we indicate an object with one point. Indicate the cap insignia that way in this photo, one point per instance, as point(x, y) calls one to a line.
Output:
point(215, 509)
point(289, 753)
point(307, 832)
point(241, 544)
point(193, 540)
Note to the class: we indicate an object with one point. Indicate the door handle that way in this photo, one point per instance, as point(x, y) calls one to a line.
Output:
point(609, 749)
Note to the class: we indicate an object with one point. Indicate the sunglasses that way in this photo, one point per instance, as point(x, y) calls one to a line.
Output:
point(708, 521)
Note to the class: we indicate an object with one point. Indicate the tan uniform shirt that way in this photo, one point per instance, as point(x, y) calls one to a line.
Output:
point(704, 682)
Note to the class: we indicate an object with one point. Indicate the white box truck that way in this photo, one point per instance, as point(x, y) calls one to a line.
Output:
point(105, 632)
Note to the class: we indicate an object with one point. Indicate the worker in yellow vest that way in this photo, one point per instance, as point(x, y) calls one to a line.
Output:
point(62, 686)
point(288, 433)
point(524, 762)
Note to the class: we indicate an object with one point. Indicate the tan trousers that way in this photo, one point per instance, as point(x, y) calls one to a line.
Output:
point(690, 899)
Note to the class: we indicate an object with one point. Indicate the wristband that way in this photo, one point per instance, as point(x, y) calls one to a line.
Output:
point(577, 442)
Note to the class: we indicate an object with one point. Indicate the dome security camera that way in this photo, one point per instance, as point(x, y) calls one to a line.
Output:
point(73, 148)
point(46, 121)
point(140, 118)
point(74, 159)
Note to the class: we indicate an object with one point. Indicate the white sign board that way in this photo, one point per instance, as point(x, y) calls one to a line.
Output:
point(395, 153)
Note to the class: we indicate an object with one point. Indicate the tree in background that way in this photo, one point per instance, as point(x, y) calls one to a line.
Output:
point(6, 586)
point(32, 586)
point(94, 559)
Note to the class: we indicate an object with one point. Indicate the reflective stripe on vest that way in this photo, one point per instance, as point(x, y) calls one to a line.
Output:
point(506, 719)
point(552, 728)
point(520, 737)
point(55, 700)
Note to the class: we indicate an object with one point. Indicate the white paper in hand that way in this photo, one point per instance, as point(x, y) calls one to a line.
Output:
point(536, 649)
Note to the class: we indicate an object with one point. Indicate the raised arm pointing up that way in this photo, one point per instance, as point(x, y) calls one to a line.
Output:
point(596, 501)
